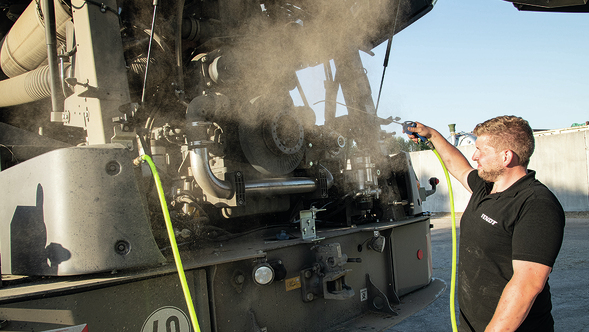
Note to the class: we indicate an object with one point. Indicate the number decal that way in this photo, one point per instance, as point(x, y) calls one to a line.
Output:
point(167, 319)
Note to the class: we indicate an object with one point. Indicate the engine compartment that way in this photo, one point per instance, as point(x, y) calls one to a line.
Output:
point(209, 89)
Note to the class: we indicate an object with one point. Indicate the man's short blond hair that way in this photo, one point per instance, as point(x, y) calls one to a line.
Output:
point(509, 132)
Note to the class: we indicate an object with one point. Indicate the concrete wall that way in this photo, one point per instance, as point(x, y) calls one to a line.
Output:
point(561, 161)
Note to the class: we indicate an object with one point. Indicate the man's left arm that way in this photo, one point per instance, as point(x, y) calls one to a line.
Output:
point(518, 295)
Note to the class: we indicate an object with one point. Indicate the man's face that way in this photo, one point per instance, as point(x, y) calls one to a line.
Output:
point(489, 161)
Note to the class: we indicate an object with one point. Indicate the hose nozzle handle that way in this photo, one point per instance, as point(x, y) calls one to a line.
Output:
point(408, 124)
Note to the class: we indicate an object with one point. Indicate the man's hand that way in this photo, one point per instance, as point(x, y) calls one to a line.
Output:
point(419, 129)
point(454, 160)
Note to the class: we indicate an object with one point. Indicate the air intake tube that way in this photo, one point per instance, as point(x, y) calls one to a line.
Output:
point(28, 87)
point(24, 49)
point(196, 115)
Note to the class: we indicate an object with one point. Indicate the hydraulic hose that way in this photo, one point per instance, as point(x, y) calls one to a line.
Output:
point(173, 244)
point(453, 216)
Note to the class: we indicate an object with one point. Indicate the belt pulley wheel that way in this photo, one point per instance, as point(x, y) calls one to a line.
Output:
point(275, 143)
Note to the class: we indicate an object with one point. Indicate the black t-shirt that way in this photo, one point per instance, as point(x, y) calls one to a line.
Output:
point(524, 222)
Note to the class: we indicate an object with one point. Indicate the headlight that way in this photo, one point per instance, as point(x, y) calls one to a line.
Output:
point(263, 274)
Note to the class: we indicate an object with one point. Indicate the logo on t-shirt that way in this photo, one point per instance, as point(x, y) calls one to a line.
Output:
point(488, 219)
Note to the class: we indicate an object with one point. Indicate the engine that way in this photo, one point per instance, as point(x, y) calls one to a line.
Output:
point(209, 89)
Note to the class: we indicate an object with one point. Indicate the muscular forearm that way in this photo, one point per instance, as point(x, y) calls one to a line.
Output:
point(518, 295)
point(454, 160)
point(513, 308)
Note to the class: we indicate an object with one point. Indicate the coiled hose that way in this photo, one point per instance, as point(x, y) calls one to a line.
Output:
point(173, 244)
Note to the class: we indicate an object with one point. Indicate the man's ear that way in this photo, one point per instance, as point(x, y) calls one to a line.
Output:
point(510, 158)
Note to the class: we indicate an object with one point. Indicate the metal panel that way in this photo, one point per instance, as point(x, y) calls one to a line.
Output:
point(411, 270)
point(58, 220)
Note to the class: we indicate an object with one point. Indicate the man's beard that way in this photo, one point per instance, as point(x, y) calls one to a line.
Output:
point(490, 173)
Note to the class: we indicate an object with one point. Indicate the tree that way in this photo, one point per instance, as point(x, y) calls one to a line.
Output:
point(397, 144)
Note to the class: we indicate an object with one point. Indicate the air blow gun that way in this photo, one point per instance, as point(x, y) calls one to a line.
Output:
point(406, 126)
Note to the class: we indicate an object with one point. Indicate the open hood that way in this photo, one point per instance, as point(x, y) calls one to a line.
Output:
point(567, 6)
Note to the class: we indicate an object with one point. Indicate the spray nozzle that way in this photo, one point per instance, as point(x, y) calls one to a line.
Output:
point(406, 126)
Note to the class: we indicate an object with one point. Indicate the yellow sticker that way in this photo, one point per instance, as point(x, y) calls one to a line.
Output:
point(292, 283)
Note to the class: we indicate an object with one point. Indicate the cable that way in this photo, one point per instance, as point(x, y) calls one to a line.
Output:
point(453, 215)
point(174, 245)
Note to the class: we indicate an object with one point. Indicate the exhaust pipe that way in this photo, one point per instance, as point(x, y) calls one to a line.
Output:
point(211, 185)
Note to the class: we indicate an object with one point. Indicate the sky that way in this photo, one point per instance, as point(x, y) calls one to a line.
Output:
point(470, 60)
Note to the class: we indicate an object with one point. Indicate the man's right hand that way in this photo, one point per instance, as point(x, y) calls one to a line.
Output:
point(419, 129)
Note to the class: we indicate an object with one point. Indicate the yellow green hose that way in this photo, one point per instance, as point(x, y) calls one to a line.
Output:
point(453, 215)
point(179, 267)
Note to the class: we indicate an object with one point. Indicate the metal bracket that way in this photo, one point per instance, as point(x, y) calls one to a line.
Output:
point(308, 229)
point(377, 300)
point(126, 138)
point(60, 117)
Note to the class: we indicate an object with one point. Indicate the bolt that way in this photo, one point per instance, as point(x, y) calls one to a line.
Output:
point(308, 274)
point(310, 296)
point(239, 279)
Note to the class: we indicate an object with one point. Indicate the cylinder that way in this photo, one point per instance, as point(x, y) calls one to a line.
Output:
point(28, 87)
point(24, 47)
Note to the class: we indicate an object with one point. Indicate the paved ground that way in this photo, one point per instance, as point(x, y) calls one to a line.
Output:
point(568, 280)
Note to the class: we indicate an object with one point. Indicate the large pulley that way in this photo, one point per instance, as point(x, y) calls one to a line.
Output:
point(272, 134)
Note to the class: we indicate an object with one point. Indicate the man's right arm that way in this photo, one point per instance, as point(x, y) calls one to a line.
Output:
point(453, 159)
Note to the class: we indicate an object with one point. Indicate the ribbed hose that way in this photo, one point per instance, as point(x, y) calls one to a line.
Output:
point(28, 87)
point(23, 48)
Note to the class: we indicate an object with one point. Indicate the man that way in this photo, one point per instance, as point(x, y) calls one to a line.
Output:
point(510, 232)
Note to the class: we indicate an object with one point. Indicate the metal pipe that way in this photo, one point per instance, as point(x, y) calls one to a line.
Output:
point(211, 185)
point(204, 177)
point(51, 42)
point(281, 186)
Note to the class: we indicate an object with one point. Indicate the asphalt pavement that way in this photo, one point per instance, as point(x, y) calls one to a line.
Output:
point(568, 280)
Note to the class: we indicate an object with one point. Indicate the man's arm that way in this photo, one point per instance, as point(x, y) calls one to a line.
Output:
point(453, 159)
point(518, 295)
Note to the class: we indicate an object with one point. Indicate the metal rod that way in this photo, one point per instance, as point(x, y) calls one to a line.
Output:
point(155, 5)
point(51, 40)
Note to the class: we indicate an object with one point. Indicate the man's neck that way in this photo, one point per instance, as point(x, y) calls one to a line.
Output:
point(508, 178)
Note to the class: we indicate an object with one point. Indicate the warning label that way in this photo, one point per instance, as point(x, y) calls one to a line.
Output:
point(292, 283)
point(167, 319)
point(77, 328)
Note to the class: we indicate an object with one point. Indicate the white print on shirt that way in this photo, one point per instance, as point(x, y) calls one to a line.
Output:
point(488, 219)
